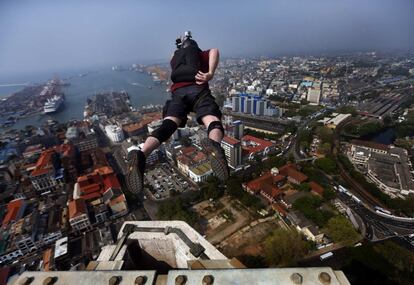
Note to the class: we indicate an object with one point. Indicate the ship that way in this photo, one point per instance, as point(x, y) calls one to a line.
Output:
point(54, 104)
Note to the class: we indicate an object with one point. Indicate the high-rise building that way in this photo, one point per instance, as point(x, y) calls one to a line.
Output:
point(260, 107)
point(114, 133)
point(254, 105)
point(237, 129)
point(233, 151)
point(314, 95)
point(236, 103)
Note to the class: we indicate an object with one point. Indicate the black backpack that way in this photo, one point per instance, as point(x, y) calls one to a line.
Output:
point(186, 62)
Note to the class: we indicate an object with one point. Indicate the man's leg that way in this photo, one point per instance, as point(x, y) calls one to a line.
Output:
point(209, 114)
point(152, 142)
point(137, 157)
point(216, 134)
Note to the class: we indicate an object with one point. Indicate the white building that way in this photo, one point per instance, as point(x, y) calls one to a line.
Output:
point(314, 95)
point(114, 133)
point(200, 173)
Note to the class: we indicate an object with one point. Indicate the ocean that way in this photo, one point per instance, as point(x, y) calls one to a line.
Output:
point(81, 87)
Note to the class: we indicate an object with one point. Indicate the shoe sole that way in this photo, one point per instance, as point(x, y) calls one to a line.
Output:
point(218, 163)
point(134, 179)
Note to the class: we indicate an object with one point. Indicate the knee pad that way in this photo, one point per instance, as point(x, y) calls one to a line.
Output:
point(215, 125)
point(165, 131)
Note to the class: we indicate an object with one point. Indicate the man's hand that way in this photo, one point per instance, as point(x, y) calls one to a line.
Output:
point(202, 78)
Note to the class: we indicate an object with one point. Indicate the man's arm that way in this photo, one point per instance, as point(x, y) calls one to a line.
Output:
point(213, 60)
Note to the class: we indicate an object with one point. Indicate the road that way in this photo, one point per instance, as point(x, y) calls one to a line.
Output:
point(377, 227)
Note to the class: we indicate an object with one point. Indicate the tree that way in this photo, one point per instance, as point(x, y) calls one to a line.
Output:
point(325, 148)
point(328, 193)
point(341, 230)
point(308, 206)
point(285, 247)
point(176, 210)
point(347, 110)
point(211, 188)
point(400, 257)
point(325, 134)
point(234, 189)
point(304, 187)
point(234, 186)
point(369, 129)
point(326, 164)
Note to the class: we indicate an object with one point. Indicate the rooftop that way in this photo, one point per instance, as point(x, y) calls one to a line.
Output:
point(76, 208)
point(251, 144)
point(291, 171)
point(230, 140)
point(201, 169)
point(370, 144)
point(13, 208)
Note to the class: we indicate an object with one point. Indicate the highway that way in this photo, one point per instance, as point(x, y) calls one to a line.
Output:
point(377, 227)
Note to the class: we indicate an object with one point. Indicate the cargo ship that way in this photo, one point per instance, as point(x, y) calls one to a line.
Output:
point(54, 104)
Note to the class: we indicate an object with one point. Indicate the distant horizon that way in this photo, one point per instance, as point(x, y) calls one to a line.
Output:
point(128, 63)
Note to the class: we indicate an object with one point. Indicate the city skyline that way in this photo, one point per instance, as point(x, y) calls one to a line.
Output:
point(48, 35)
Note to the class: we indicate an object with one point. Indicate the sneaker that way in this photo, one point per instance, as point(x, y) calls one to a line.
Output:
point(135, 172)
point(217, 158)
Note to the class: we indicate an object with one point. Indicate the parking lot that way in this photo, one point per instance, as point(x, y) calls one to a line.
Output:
point(164, 179)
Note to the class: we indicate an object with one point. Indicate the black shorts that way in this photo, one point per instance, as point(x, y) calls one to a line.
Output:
point(188, 99)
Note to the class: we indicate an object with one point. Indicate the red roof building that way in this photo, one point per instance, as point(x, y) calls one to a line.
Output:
point(270, 192)
point(77, 208)
point(316, 188)
point(78, 215)
point(48, 172)
point(45, 163)
point(230, 140)
point(256, 185)
point(279, 209)
point(293, 175)
point(15, 210)
point(188, 157)
point(252, 146)
point(93, 185)
point(268, 184)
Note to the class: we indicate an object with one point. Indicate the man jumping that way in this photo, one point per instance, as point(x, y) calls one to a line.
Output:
point(192, 68)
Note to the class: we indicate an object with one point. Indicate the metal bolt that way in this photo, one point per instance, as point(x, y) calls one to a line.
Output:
point(50, 280)
point(140, 280)
point(325, 278)
point(296, 278)
point(180, 280)
point(208, 280)
point(26, 280)
point(115, 280)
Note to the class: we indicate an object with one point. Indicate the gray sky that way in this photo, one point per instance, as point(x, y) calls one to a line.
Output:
point(39, 35)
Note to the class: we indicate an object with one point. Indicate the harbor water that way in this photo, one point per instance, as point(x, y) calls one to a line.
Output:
point(140, 87)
